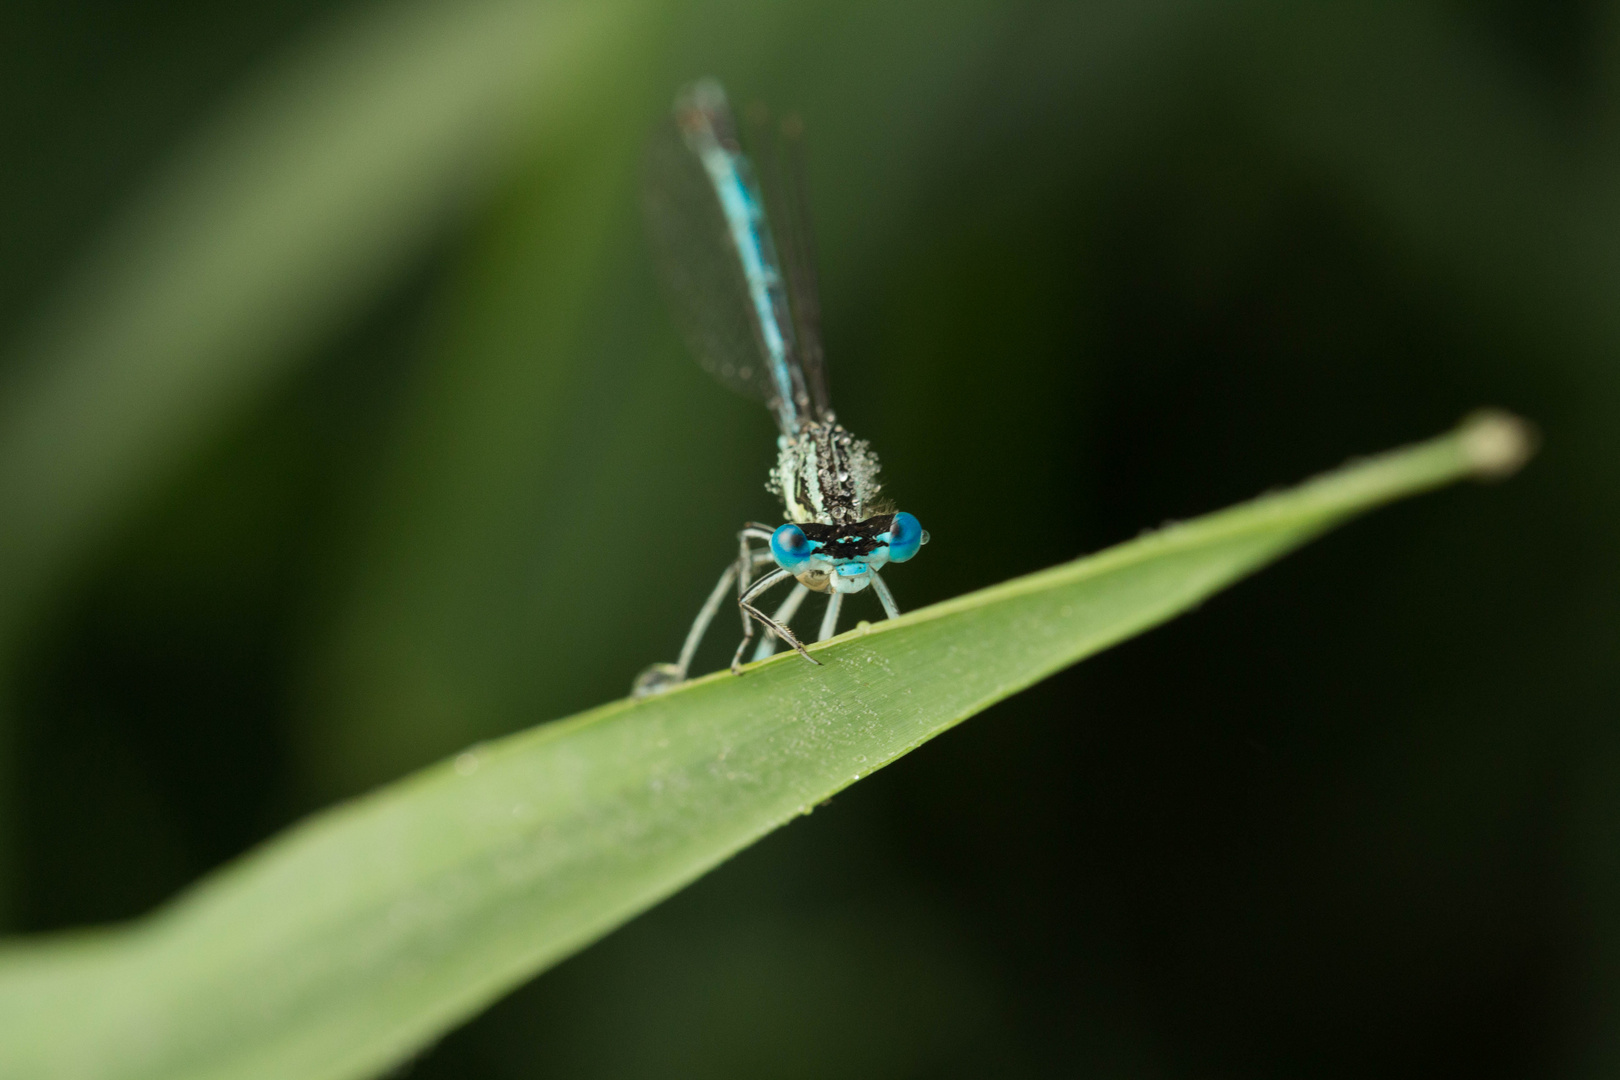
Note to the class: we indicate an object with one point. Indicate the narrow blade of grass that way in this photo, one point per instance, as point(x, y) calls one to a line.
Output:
point(357, 937)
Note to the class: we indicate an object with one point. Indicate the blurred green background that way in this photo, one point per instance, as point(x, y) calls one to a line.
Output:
point(1086, 267)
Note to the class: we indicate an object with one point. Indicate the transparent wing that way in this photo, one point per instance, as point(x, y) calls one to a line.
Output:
point(705, 277)
point(789, 198)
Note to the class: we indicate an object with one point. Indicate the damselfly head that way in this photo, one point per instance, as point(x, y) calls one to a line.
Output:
point(842, 558)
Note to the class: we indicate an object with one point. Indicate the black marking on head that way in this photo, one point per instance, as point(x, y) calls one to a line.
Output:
point(851, 540)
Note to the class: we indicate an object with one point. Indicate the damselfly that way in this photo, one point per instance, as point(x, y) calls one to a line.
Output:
point(751, 313)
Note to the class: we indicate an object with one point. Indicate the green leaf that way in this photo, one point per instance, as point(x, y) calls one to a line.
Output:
point(360, 935)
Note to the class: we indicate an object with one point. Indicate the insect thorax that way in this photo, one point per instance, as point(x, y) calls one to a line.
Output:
point(824, 474)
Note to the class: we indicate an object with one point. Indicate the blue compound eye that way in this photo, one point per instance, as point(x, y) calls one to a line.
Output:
point(905, 537)
point(790, 547)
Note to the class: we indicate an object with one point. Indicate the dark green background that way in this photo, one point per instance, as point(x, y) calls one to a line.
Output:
point(1086, 267)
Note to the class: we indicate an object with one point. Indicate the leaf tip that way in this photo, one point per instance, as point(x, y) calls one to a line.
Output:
point(1497, 443)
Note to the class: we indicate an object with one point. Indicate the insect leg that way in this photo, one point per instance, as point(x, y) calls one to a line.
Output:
point(829, 620)
point(784, 615)
point(752, 614)
point(881, 587)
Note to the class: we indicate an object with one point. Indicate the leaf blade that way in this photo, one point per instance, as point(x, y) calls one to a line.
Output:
point(360, 935)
